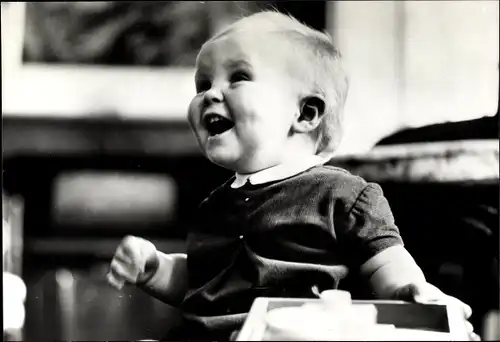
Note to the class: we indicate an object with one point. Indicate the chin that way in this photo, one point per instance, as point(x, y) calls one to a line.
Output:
point(223, 160)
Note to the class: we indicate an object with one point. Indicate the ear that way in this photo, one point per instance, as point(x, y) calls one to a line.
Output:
point(312, 109)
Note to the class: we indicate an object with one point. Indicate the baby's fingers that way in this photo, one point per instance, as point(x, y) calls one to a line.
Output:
point(115, 281)
point(123, 272)
point(469, 327)
point(465, 308)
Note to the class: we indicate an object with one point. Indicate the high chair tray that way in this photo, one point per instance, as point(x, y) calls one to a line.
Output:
point(410, 321)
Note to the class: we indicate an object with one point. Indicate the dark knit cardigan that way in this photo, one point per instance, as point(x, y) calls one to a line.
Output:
point(278, 240)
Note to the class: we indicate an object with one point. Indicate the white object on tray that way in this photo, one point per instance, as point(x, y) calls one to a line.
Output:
point(294, 319)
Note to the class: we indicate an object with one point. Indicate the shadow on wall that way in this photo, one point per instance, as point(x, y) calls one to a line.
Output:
point(486, 127)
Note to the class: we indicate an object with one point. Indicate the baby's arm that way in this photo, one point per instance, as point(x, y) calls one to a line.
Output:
point(391, 270)
point(169, 283)
point(138, 262)
point(373, 241)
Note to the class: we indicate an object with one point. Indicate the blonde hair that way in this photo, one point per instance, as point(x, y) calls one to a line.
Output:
point(318, 65)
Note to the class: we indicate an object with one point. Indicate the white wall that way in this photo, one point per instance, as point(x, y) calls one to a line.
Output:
point(413, 63)
point(365, 33)
point(451, 60)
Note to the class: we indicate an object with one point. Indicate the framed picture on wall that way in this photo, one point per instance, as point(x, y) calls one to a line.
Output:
point(158, 34)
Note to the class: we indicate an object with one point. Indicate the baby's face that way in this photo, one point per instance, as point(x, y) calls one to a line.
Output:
point(245, 102)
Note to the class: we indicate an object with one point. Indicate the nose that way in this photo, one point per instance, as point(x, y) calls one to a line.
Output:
point(213, 95)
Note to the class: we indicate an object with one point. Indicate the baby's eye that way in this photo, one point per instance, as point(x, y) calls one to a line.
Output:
point(203, 85)
point(240, 76)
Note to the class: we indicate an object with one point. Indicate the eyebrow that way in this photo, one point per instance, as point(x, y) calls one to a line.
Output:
point(234, 64)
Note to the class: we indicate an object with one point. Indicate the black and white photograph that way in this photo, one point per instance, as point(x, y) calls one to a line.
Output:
point(250, 170)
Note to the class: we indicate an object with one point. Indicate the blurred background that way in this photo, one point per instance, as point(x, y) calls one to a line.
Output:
point(97, 145)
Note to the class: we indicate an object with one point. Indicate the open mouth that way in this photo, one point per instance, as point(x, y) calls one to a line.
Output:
point(217, 124)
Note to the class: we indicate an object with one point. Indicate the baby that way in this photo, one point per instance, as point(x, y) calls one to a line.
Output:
point(270, 95)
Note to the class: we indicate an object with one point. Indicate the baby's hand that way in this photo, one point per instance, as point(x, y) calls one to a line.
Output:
point(426, 293)
point(135, 262)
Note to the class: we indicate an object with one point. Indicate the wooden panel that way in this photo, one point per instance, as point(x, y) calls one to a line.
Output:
point(95, 136)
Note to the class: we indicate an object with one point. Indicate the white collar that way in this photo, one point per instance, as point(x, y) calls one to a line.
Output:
point(278, 172)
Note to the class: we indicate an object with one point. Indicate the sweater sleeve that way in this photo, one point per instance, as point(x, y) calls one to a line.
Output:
point(368, 227)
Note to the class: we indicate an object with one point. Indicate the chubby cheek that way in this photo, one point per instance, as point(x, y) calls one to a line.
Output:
point(264, 120)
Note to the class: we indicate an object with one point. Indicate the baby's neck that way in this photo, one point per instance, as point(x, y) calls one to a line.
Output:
point(296, 149)
point(293, 152)
point(291, 158)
